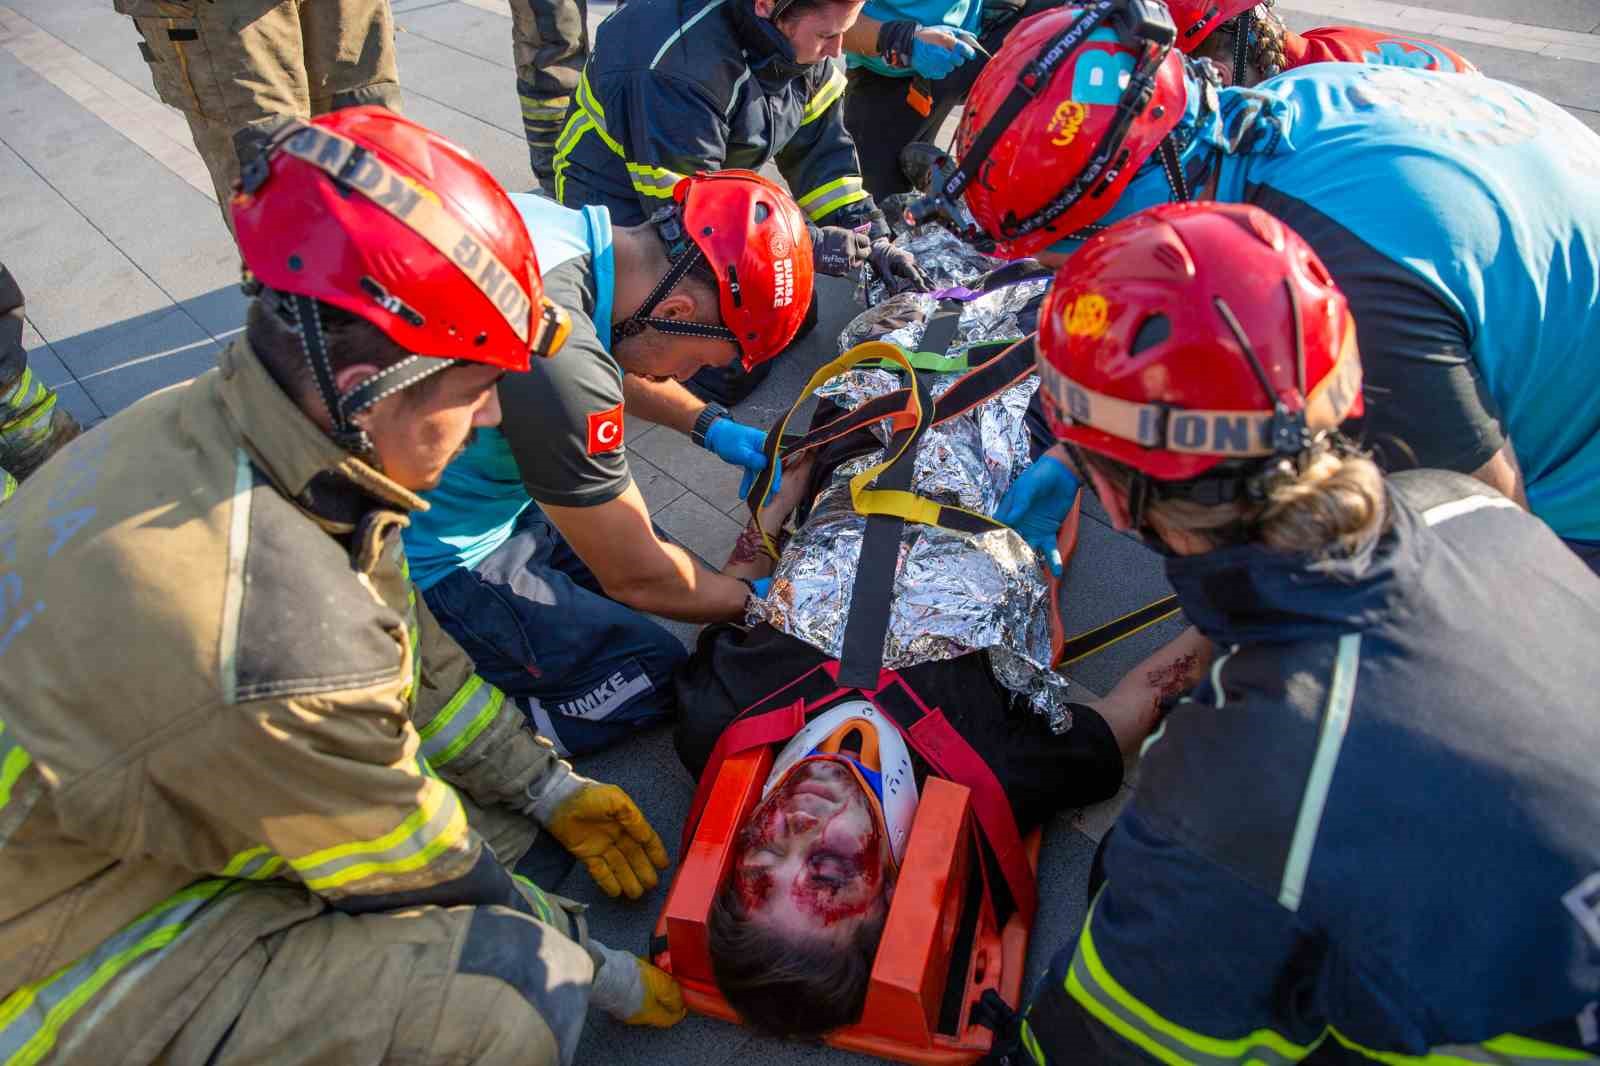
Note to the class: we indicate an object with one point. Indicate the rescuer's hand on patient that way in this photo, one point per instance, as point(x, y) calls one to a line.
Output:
point(931, 51)
point(897, 267)
point(837, 251)
point(741, 445)
point(606, 831)
point(1037, 503)
point(631, 990)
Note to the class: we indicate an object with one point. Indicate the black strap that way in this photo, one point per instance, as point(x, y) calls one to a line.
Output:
point(940, 332)
point(635, 324)
point(872, 595)
point(1103, 636)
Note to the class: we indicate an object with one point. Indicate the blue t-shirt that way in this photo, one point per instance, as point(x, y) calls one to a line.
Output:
point(1480, 196)
point(950, 14)
point(478, 501)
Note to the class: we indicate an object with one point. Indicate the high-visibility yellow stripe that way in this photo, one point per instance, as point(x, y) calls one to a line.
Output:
point(13, 396)
point(535, 896)
point(597, 113)
point(31, 1018)
point(824, 97)
point(849, 181)
point(545, 107)
point(826, 199)
point(1091, 984)
point(14, 759)
point(821, 211)
point(255, 864)
point(436, 826)
point(653, 181)
point(470, 711)
point(1030, 1044)
point(8, 485)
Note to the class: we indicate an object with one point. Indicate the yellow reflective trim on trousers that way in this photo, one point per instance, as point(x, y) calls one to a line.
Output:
point(14, 395)
point(653, 181)
point(14, 759)
point(256, 864)
point(429, 831)
point(545, 107)
point(468, 713)
point(8, 485)
point(49, 1004)
point(824, 97)
point(1091, 984)
point(1505, 1050)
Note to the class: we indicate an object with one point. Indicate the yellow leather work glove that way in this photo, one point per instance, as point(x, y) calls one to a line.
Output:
point(663, 999)
point(604, 828)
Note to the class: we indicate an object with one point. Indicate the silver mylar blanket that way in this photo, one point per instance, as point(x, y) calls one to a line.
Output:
point(954, 593)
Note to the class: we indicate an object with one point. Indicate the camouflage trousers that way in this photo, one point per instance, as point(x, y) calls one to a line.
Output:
point(234, 66)
point(550, 45)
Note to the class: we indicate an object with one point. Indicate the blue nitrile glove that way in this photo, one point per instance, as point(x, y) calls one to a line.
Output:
point(934, 61)
point(740, 445)
point(761, 586)
point(1037, 503)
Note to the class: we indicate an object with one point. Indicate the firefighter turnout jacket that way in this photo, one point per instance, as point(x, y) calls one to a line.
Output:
point(673, 88)
point(1372, 831)
point(226, 712)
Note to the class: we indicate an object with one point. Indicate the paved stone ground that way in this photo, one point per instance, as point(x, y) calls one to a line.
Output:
point(107, 219)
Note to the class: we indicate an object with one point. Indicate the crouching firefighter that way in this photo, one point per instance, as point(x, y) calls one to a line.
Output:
point(1402, 704)
point(795, 928)
point(274, 818)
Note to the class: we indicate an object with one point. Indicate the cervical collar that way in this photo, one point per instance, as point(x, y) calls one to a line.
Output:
point(881, 763)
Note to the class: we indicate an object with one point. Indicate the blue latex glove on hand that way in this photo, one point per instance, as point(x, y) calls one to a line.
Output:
point(763, 585)
point(1037, 503)
point(935, 61)
point(740, 445)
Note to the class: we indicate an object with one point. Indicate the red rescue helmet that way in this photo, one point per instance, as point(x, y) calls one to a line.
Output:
point(754, 238)
point(1196, 19)
point(1197, 339)
point(365, 210)
point(1063, 116)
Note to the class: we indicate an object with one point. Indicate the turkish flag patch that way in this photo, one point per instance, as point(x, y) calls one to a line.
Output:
point(605, 431)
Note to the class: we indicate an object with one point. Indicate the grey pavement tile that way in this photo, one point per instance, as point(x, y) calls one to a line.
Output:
point(634, 427)
point(503, 152)
point(713, 480)
point(1581, 16)
point(1094, 820)
point(657, 487)
point(1108, 576)
point(174, 352)
point(1568, 82)
point(460, 80)
point(462, 27)
point(1064, 863)
point(700, 527)
point(76, 400)
point(95, 31)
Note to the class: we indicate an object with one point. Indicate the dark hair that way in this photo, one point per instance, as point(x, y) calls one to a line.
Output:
point(796, 8)
point(788, 988)
point(269, 327)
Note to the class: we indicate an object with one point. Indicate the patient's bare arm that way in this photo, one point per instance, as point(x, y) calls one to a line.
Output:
point(749, 558)
point(1133, 708)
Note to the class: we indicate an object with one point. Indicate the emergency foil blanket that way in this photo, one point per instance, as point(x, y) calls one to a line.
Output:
point(946, 259)
point(1005, 314)
point(953, 593)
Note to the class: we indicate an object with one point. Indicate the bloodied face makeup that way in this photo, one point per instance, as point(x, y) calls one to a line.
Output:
point(813, 860)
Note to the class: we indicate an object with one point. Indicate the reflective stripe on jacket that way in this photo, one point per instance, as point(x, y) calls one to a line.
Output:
point(671, 90)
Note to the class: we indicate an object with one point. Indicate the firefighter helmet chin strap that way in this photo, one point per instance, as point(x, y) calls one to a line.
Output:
point(342, 408)
point(1244, 29)
point(683, 254)
point(1146, 25)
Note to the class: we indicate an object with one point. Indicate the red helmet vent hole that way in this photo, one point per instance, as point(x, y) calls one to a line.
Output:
point(762, 212)
point(295, 263)
point(1152, 331)
point(1318, 271)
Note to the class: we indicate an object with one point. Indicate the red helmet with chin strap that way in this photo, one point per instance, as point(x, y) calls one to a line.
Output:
point(1197, 341)
point(754, 238)
point(364, 210)
point(1062, 117)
